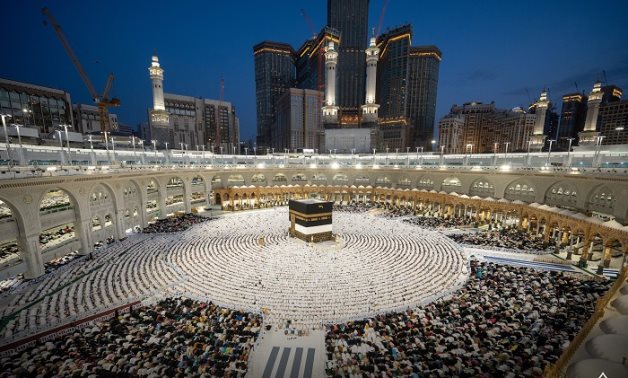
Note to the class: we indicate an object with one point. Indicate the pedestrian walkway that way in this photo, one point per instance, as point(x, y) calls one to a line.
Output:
point(278, 355)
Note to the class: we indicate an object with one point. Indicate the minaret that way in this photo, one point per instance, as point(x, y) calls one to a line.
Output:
point(589, 135)
point(330, 109)
point(158, 115)
point(537, 140)
point(369, 109)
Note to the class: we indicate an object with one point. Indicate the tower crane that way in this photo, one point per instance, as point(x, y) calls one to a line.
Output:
point(103, 101)
point(320, 57)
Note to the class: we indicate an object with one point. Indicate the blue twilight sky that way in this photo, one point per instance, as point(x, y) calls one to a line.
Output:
point(492, 50)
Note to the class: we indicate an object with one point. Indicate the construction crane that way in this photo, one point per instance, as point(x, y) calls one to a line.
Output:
point(381, 17)
point(103, 101)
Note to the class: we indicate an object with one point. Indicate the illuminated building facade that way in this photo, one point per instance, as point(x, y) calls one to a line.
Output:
point(274, 75)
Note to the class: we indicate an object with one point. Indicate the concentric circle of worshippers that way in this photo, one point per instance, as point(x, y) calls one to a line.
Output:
point(505, 322)
point(177, 337)
point(377, 265)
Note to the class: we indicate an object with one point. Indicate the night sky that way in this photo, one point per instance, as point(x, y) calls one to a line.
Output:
point(492, 50)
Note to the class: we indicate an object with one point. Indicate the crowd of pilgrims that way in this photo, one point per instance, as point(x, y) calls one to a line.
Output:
point(505, 322)
point(434, 223)
point(177, 337)
point(174, 224)
point(493, 236)
point(510, 238)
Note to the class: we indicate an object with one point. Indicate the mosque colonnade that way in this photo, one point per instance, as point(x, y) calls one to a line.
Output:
point(107, 206)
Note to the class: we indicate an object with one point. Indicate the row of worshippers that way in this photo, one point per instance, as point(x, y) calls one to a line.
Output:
point(177, 337)
point(174, 224)
point(510, 238)
point(505, 322)
point(434, 223)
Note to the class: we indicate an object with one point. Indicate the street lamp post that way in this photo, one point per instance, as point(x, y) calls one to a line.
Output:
point(60, 145)
point(442, 155)
point(155, 149)
point(143, 156)
point(113, 148)
point(506, 151)
point(569, 151)
point(421, 161)
point(374, 149)
point(107, 145)
point(528, 158)
point(19, 139)
point(6, 135)
point(598, 150)
point(91, 150)
point(549, 151)
point(65, 127)
point(133, 143)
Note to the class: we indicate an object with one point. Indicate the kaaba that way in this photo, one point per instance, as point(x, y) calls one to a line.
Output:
point(310, 220)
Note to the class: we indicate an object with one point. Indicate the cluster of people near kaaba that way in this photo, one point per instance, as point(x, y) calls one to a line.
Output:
point(176, 337)
point(505, 322)
point(174, 224)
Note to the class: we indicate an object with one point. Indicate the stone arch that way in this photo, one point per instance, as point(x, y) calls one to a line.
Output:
point(216, 182)
point(521, 190)
point(362, 180)
point(152, 203)
point(404, 182)
point(299, 177)
point(319, 179)
point(198, 192)
point(601, 199)
point(425, 182)
point(382, 181)
point(60, 220)
point(280, 177)
point(451, 184)
point(235, 179)
point(176, 195)
point(482, 187)
point(258, 178)
point(340, 178)
point(563, 194)
point(12, 226)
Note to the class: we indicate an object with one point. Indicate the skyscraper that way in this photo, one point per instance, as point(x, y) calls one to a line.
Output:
point(392, 72)
point(274, 74)
point(423, 68)
point(298, 120)
point(572, 116)
point(350, 18)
